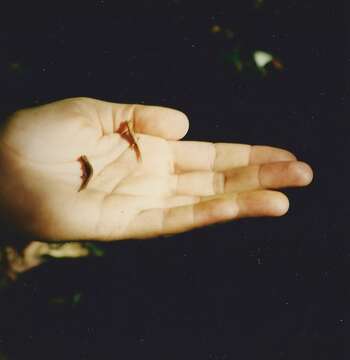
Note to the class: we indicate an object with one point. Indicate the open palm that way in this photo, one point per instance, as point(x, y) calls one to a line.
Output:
point(158, 186)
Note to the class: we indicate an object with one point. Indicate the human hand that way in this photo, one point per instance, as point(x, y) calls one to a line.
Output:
point(174, 186)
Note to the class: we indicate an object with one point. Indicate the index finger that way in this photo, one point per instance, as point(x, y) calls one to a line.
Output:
point(197, 155)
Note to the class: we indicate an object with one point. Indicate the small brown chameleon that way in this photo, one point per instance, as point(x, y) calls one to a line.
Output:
point(133, 141)
point(87, 170)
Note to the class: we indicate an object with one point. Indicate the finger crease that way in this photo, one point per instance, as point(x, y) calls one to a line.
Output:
point(214, 158)
point(260, 185)
point(250, 155)
point(219, 183)
point(176, 184)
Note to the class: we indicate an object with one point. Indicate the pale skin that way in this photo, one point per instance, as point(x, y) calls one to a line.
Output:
point(146, 181)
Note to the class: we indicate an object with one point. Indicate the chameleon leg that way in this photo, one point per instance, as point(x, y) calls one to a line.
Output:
point(134, 141)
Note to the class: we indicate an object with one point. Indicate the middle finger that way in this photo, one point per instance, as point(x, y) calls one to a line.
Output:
point(254, 177)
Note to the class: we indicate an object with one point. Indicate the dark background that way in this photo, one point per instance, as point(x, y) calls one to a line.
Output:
point(252, 289)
